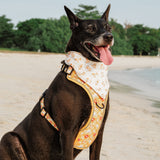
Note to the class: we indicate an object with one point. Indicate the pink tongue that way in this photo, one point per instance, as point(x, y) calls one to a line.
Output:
point(105, 55)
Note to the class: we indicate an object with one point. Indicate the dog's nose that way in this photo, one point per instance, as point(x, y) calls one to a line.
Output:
point(108, 37)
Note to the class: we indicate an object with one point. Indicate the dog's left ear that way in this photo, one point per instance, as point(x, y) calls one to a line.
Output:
point(73, 19)
point(106, 13)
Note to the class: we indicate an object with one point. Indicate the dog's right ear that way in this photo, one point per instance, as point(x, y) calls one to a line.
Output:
point(106, 13)
point(73, 19)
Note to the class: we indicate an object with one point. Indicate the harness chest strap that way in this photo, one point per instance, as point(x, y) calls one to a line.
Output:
point(89, 131)
point(46, 115)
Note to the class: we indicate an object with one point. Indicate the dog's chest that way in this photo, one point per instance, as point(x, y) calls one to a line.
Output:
point(92, 77)
point(92, 73)
point(88, 133)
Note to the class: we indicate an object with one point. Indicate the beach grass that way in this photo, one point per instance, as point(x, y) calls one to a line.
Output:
point(16, 50)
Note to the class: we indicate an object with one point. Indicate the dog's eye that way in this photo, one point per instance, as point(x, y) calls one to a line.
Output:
point(91, 28)
point(107, 27)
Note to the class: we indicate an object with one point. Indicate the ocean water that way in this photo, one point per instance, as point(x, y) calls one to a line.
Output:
point(145, 81)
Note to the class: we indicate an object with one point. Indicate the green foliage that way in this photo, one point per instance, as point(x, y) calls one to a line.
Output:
point(6, 32)
point(87, 12)
point(62, 34)
point(158, 36)
point(47, 35)
point(25, 30)
point(52, 35)
point(144, 40)
point(11, 49)
point(118, 28)
point(121, 46)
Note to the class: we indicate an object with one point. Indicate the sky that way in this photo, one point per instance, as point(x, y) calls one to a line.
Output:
point(146, 12)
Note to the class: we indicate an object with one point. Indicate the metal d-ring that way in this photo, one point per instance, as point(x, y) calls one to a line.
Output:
point(99, 106)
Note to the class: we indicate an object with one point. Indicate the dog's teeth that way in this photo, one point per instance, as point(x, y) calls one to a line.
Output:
point(93, 47)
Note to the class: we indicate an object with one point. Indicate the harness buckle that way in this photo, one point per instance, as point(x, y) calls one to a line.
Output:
point(66, 68)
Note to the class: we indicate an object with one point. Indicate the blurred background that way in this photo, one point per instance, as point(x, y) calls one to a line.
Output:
point(42, 25)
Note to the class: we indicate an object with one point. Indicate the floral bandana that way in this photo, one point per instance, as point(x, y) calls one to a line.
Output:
point(93, 73)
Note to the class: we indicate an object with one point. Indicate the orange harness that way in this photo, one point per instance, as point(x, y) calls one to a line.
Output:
point(89, 131)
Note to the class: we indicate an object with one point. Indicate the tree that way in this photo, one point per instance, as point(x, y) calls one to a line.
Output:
point(62, 34)
point(158, 38)
point(118, 28)
point(50, 36)
point(121, 46)
point(25, 30)
point(144, 40)
point(87, 12)
point(6, 32)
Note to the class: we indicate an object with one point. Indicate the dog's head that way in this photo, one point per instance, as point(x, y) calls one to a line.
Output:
point(92, 38)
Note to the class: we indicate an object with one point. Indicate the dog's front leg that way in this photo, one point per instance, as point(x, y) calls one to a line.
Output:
point(95, 148)
point(67, 141)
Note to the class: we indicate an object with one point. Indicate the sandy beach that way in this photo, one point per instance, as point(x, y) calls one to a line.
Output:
point(133, 126)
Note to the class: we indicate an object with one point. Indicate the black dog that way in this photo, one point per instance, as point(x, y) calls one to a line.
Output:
point(67, 103)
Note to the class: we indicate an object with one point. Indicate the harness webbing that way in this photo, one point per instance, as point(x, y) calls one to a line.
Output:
point(46, 115)
point(89, 131)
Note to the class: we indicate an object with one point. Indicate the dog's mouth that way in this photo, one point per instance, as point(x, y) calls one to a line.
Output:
point(100, 53)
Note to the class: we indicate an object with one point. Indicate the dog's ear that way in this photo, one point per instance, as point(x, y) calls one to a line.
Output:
point(106, 13)
point(73, 19)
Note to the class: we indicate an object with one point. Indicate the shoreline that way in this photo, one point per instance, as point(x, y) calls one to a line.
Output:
point(134, 62)
point(131, 132)
point(151, 104)
point(132, 128)
point(144, 81)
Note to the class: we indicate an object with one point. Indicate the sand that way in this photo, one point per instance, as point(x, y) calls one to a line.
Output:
point(133, 126)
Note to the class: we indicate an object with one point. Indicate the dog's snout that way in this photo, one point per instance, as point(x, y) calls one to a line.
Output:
point(108, 37)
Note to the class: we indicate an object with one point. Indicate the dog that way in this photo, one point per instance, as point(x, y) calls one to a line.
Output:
point(54, 128)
